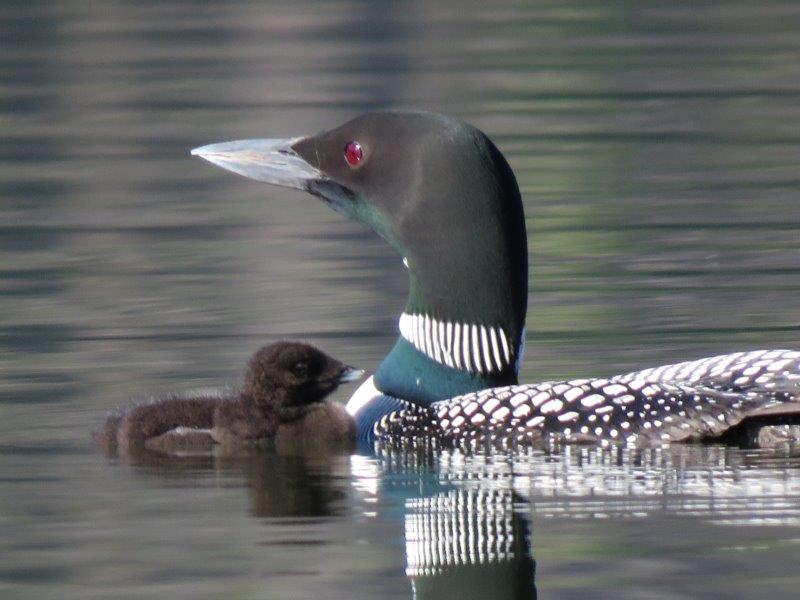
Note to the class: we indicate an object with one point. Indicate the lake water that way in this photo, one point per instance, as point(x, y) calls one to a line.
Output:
point(657, 148)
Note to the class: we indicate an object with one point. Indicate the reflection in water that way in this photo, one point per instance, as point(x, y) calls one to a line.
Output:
point(279, 484)
point(719, 483)
point(468, 544)
point(294, 486)
point(468, 519)
point(466, 515)
point(459, 542)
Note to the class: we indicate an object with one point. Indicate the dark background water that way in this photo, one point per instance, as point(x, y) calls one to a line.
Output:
point(656, 146)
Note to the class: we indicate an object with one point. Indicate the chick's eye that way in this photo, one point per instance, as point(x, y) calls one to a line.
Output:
point(300, 369)
point(353, 153)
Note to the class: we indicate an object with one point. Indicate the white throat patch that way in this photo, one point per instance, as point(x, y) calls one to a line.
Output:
point(365, 394)
point(463, 346)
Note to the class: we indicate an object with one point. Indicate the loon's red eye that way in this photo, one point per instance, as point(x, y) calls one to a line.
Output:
point(353, 153)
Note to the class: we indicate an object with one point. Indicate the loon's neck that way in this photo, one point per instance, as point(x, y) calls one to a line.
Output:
point(462, 331)
point(410, 374)
point(439, 355)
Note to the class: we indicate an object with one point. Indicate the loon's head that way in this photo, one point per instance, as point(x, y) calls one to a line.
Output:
point(444, 197)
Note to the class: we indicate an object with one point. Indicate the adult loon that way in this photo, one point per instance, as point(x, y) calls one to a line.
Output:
point(282, 400)
point(440, 192)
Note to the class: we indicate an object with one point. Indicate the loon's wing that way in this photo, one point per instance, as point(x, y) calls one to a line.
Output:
point(770, 372)
point(583, 411)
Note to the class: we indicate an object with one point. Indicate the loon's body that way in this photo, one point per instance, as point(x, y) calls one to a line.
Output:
point(282, 401)
point(440, 192)
point(688, 401)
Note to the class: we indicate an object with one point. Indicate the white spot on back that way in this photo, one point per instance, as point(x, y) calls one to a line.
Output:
point(522, 411)
point(490, 405)
point(518, 399)
point(554, 405)
point(501, 413)
point(540, 397)
point(471, 408)
point(593, 400)
point(614, 389)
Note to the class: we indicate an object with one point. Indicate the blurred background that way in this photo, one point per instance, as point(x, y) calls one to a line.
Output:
point(656, 145)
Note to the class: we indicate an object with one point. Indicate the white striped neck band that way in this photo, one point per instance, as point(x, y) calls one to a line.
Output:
point(463, 346)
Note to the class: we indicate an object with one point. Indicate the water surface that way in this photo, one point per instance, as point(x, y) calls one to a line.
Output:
point(656, 148)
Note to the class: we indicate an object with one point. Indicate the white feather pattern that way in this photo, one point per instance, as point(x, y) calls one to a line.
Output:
point(464, 346)
point(445, 353)
point(475, 351)
point(487, 364)
point(457, 345)
point(495, 348)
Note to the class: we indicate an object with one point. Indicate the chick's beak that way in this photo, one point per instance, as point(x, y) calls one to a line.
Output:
point(349, 374)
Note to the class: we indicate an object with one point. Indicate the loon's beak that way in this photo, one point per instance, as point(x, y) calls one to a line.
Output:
point(350, 374)
point(273, 161)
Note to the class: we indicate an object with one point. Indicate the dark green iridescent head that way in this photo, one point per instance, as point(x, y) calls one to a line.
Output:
point(434, 188)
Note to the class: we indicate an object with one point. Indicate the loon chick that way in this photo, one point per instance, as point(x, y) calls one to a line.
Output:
point(442, 194)
point(282, 400)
